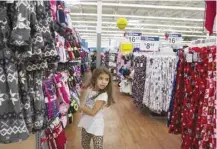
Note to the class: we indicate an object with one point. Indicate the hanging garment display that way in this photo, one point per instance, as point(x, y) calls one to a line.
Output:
point(51, 100)
point(123, 62)
point(209, 109)
point(170, 110)
point(175, 126)
point(194, 111)
point(111, 59)
point(158, 82)
point(139, 80)
point(210, 15)
point(11, 117)
point(126, 86)
point(29, 100)
point(13, 127)
point(20, 35)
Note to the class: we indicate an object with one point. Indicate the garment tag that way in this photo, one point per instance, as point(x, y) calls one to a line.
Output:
point(189, 58)
point(59, 85)
point(46, 100)
point(58, 44)
point(137, 64)
point(141, 64)
point(195, 57)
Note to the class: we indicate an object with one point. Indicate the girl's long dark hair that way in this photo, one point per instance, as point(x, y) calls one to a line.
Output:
point(109, 88)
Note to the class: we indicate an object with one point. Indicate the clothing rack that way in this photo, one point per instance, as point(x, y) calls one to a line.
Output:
point(146, 66)
point(194, 113)
point(146, 111)
point(204, 42)
point(38, 133)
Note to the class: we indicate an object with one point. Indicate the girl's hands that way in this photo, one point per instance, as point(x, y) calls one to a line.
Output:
point(79, 109)
point(84, 92)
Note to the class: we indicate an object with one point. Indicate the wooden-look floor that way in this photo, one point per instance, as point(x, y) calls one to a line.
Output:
point(126, 127)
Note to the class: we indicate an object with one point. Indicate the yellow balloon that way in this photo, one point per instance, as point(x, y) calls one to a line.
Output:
point(122, 23)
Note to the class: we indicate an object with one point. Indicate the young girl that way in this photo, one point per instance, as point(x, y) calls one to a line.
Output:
point(97, 96)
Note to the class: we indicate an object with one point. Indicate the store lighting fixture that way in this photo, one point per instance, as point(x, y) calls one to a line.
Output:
point(69, 2)
point(134, 21)
point(152, 6)
point(152, 34)
point(139, 17)
point(143, 6)
point(141, 29)
point(141, 24)
point(106, 41)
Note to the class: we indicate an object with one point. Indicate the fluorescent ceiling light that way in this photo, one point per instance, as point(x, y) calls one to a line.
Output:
point(106, 41)
point(143, 6)
point(142, 24)
point(139, 17)
point(134, 21)
point(152, 6)
point(141, 29)
point(83, 30)
point(94, 31)
point(152, 34)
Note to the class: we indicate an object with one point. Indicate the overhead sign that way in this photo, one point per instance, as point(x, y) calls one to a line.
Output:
point(134, 38)
point(126, 48)
point(175, 38)
point(149, 43)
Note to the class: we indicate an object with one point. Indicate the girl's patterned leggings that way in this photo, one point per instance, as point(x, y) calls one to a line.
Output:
point(86, 138)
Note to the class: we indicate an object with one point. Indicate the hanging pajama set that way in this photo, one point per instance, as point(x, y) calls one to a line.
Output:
point(26, 45)
point(93, 126)
point(12, 123)
point(194, 113)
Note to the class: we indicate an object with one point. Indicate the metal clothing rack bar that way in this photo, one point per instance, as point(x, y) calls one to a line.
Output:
point(208, 40)
point(38, 139)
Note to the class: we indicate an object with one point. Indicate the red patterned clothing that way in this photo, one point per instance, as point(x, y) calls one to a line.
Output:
point(194, 113)
point(176, 119)
point(208, 116)
point(195, 74)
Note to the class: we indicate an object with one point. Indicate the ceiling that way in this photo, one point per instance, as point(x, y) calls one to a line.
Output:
point(152, 18)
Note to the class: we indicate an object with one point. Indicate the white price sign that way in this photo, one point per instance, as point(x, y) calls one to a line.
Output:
point(149, 43)
point(174, 38)
point(134, 38)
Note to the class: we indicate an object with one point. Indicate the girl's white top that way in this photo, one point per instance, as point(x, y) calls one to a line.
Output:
point(94, 124)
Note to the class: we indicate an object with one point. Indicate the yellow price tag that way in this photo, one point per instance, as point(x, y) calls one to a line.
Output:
point(126, 48)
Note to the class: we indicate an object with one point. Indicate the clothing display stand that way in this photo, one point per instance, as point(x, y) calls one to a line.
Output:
point(146, 111)
point(38, 139)
point(112, 64)
point(197, 112)
point(161, 57)
point(162, 115)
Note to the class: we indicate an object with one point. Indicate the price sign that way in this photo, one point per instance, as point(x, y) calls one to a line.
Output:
point(175, 38)
point(149, 43)
point(126, 48)
point(134, 38)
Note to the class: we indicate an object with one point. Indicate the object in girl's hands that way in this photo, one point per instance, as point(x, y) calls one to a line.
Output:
point(126, 73)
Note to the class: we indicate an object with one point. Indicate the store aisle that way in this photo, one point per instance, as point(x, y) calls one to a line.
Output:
point(127, 128)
